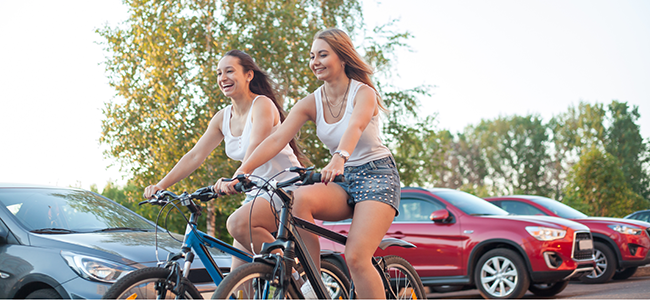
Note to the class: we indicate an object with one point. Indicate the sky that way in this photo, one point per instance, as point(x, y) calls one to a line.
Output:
point(484, 59)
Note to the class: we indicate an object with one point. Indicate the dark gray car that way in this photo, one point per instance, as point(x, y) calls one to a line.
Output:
point(71, 243)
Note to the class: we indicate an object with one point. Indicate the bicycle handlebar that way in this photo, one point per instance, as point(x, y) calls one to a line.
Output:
point(306, 176)
point(203, 194)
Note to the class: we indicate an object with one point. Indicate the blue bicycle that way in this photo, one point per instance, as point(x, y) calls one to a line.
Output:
point(170, 279)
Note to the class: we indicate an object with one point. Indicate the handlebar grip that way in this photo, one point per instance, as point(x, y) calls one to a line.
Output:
point(314, 177)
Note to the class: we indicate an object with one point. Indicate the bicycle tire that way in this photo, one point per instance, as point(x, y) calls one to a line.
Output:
point(335, 280)
point(405, 281)
point(142, 284)
point(254, 281)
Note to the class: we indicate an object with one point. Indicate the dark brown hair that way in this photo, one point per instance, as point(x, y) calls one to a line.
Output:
point(261, 85)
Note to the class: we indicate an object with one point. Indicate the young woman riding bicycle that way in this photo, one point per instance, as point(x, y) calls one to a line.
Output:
point(253, 115)
point(345, 110)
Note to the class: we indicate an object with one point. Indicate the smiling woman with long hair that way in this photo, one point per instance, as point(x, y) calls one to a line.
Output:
point(346, 111)
point(254, 113)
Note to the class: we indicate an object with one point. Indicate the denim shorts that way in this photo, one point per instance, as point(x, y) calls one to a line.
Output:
point(377, 180)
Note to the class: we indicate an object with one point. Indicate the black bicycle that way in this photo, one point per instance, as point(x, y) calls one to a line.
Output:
point(269, 275)
point(170, 279)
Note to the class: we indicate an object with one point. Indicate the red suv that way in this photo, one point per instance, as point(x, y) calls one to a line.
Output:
point(465, 242)
point(620, 245)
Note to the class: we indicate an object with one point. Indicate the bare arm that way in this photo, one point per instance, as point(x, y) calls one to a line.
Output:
point(264, 117)
point(192, 159)
point(263, 123)
point(365, 107)
point(302, 112)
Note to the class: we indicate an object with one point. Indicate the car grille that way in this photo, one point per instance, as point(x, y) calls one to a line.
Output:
point(582, 254)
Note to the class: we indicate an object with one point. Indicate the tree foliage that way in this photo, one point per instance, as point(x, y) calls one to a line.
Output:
point(597, 186)
point(624, 142)
point(572, 133)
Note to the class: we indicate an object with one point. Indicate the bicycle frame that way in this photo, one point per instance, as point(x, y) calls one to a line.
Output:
point(196, 241)
point(199, 242)
point(287, 241)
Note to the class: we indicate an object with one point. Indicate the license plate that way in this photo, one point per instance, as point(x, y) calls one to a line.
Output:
point(586, 244)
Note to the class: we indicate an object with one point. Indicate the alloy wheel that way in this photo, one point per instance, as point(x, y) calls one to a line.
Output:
point(499, 276)
point(601, 264)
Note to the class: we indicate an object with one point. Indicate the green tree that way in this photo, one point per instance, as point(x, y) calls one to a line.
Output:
point(597, 186)
point(466, 167)
point(513, 154)
point(571, 134)
point(624, 142)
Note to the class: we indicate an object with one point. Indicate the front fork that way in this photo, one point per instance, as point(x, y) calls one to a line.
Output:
point(175, 273)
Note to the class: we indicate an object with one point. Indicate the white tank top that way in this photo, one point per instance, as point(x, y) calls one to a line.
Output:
point(369, 147)
point(236, 147)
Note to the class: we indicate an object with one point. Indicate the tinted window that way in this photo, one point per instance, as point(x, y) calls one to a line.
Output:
point(75, 210)
point(644, 216)
point(469, 203)
point(520, 208)
point(415, 210)
point(562, 210)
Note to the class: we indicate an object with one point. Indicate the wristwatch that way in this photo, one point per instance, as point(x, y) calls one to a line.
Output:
point(343, 154)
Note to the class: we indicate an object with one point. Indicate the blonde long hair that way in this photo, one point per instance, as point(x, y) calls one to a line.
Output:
point(355, 67)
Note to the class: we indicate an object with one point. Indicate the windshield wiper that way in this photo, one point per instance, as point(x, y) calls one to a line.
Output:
point(121, 229)
point(53, 230)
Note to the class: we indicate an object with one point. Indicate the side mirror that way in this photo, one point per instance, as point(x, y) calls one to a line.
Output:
point(441, 215)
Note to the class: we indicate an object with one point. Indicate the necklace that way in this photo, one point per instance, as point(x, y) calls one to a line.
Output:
point(329, 105)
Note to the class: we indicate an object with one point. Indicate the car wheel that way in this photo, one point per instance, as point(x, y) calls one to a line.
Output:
point(501, 274)
point(44, 294)
point(548, 289)
point(625, 273)
point(605, 264)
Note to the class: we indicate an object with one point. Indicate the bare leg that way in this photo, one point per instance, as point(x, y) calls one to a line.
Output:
point(369, 225)
point(236, 262)
point(323, 202)
point(262, 223)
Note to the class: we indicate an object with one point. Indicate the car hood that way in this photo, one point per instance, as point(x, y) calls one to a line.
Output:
point(544, 221)
point(127, 247)
point(641, 224)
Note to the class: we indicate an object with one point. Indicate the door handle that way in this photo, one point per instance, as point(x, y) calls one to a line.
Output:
point(397, 234)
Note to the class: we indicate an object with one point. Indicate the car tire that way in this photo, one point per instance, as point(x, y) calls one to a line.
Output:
point(44, 294)
point(625, 273)
point(548, 289)
point(605, 265)
point(445, 288)
point(501, 274)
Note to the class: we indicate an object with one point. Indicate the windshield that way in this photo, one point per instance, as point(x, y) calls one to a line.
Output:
point(470, 204)
point(52, 210)
point(561, 210)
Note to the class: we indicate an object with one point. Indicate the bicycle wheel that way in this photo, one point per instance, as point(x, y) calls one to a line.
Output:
point(151, 283)
point(254, 281)
point(335, 280)
point(405, 281)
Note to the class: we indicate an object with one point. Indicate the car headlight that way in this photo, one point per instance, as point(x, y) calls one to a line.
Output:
point(626, 229)
point(545, 233)
point(93, 268)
